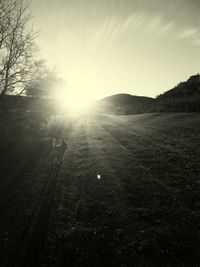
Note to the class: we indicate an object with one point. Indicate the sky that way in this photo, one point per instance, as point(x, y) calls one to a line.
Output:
point(104, 47)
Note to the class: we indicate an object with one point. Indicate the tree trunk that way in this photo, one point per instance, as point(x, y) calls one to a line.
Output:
point(2, 104)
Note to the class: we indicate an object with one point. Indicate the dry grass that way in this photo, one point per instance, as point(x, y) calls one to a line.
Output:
point(143, 211)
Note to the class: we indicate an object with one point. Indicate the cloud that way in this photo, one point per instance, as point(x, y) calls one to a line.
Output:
point(188, 33)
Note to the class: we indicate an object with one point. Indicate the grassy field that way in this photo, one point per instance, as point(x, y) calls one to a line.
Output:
point(126, 193)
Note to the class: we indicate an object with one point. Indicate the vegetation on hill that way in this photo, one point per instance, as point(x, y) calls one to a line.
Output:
point(185, 97)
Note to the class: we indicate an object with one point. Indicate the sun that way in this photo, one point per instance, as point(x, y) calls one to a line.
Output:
point(78, 107)
point(75, 105)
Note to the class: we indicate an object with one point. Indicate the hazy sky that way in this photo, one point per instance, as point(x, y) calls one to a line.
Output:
point(102, 47)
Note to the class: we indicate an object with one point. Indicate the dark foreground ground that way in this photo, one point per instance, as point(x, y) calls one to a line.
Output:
point(143, 211)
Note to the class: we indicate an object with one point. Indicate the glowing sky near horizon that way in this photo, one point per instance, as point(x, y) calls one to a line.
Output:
point(102, 47)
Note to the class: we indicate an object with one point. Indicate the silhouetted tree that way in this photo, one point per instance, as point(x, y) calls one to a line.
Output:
point(17, 48)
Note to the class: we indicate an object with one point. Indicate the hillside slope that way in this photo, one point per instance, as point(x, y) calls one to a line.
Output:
point(185, 97)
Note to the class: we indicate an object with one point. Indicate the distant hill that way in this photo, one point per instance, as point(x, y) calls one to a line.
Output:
point(185, 97)
point(126, 104)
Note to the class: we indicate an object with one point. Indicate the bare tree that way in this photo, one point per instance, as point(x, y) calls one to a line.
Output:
point(17, 48)
point(6, 9)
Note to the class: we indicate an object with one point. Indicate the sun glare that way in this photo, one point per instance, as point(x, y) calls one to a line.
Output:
point(74, 105)
point(78, 107)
